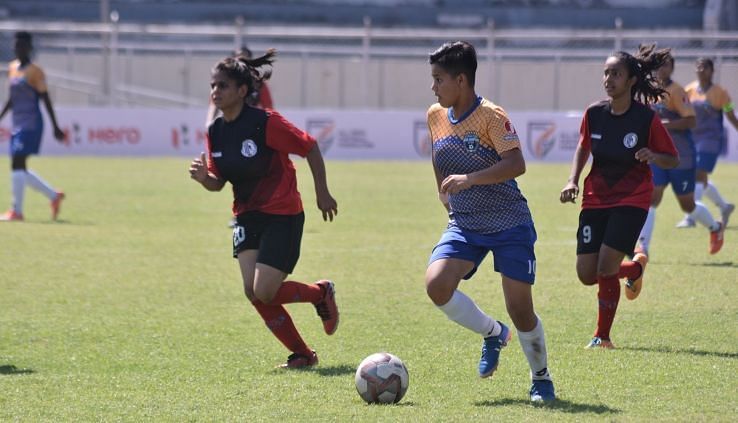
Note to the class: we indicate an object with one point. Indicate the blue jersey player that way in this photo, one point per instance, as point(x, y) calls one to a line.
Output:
point(476, 156)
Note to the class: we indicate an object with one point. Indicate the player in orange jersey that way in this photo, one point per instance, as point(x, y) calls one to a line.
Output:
point(476, 158)
point(27, 87)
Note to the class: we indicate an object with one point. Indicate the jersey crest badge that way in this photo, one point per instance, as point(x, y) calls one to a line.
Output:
point(248, 148)
point(471, 141)
point(630, 140)
point(512, 134)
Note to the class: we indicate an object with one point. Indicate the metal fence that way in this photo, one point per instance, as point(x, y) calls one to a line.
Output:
point(361, 67)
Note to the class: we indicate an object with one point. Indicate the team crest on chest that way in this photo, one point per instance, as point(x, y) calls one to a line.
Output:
point(248, 148)
point(471, 141)
point(630, 140)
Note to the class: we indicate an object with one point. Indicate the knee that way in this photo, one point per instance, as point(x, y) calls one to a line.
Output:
point(262, 294)
point(587, 277)
point(439, 290)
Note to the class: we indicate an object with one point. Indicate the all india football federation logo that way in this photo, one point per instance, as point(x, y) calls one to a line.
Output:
point(324, 132)
point(421, 138)
point(248, 148)
point(471, 141)
point(630, 140)
point(541, 139)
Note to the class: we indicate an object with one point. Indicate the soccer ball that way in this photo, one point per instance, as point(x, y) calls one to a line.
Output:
point(382, 378)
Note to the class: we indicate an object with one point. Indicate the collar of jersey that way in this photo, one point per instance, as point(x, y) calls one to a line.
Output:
point(465, 115)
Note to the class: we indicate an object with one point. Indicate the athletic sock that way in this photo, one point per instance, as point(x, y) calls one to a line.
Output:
point(608, 297)
point(713, 194)
point(699, 189)
point(462, 310)
point(18, 184)
point(647, 231)
point(280, 323)
point(704, 217)
point(297, 292)
point(630, 269)
point(40, 185)
point(534, 347)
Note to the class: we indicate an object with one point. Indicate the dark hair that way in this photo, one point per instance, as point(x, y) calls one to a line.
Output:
point(646, 89)
point(707, 62)
point(23, 36)
point(456, 58)
point(243, 51)
point(247, 71)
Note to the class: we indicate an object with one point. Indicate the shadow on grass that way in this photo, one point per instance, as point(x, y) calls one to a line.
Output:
point(9, 369)
point(399, 404)
point(733, 355)
point(703, 264)
point(338, 370)
point(559, 404)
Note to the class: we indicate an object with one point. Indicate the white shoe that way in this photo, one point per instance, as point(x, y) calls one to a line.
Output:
point(726, 212)
point(687, 222)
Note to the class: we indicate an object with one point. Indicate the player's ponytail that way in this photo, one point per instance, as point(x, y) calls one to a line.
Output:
point(247, 71)
point(647, 88)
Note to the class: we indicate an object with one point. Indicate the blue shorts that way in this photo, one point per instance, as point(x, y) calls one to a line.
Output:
point(25, 142)
point(681, 180)
point(706, 161)
point(512, 250)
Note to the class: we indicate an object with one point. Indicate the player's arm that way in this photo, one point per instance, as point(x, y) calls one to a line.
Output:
point(730, 114)
point(199, 172)
point(571, 190)
point(37, 80)
point(729, 109)
point(687, 118)
point(660, 150)
point(510, 166)
point(326, 203)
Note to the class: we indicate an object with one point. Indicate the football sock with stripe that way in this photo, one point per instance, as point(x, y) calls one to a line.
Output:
point(534, 347)
point(608, 296)
point(462, 310)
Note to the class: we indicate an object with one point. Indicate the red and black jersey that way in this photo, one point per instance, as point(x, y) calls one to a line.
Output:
point(252, 153)
point(617, 178)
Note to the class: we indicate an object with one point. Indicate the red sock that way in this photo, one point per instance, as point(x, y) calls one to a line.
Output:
point(297, 292)
point(280, 323)
point(608, 296)
point(630, 269)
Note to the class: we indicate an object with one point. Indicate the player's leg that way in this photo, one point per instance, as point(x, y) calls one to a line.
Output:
point(55, 197)
point(517, 264)
point(257, 278)
point(660, 181)
point(17, 183)
point(683, 184)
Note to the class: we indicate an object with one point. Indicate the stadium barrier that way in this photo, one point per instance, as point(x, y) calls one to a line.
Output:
point(342, 134)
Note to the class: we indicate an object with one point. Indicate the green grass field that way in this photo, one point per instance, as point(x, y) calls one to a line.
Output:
point(130, 308)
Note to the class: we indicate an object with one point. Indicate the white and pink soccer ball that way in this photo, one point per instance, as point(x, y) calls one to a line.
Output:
point(382, 378)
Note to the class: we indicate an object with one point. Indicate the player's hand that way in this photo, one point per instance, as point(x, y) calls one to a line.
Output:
point(327, 204)
point(455, 183)
point(199, 168)
point(569, 193)
point(645, 155)
point(59, 134)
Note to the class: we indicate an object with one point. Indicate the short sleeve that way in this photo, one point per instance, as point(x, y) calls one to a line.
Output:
point(501, 131)
point(679, 102)
point(283, 136)
point(659, 140)
point(36, 79)
point(585, 141)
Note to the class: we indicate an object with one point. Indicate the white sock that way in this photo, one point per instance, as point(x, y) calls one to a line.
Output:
point(647, 231)
point(702, 215)
point(18, 182)
point(462, 310)
point(713, 194)
point(699, 189)
point(534, 347)
point(40, 185)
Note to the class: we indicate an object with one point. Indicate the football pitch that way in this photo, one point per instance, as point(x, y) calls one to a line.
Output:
point(131, 308)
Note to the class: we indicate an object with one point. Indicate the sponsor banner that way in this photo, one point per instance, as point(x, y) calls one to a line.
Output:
point(341, 134)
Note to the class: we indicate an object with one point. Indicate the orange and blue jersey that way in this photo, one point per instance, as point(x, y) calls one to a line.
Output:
point(709, 105)
point(471, 143)
point(676, 105)
point(27, 83)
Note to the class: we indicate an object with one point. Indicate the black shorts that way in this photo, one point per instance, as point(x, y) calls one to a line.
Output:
point(277, 237)
point(616, 227)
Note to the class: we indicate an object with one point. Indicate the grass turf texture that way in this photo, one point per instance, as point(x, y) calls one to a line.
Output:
point(131, 308)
